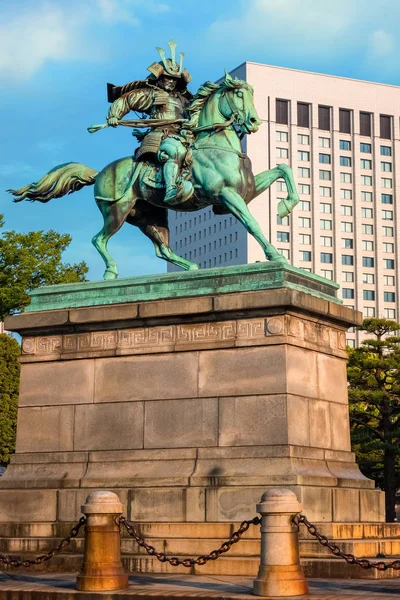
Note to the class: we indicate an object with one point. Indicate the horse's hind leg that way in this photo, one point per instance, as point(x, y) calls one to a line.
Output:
point(114, 214)
point(153, 222)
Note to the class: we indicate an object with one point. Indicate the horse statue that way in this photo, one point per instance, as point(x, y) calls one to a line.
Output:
point(132, 191)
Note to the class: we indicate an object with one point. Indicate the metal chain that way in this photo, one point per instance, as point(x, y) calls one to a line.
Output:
point(15, 562)
point(349, 558)
point(187, 562)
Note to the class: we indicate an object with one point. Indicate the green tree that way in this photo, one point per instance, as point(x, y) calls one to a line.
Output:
point(9, 384)
point(374, 398)
point(31, 260)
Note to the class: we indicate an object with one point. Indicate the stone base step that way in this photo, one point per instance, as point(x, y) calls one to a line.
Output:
point(234, 565)
point(194, 547)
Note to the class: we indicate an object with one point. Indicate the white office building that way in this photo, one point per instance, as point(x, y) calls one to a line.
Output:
point(342, 139)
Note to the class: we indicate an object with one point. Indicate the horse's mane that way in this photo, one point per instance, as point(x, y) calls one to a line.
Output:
point(205, 91)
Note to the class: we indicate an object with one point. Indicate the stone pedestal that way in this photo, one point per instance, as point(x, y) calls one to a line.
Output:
point(189, 407)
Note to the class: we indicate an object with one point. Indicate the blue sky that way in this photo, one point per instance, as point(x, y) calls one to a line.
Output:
point(56, 57)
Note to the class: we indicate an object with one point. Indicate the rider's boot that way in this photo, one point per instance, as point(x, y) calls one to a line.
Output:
point(175, 194)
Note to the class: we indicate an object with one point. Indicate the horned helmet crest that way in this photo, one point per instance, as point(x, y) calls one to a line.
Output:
point(169, 66)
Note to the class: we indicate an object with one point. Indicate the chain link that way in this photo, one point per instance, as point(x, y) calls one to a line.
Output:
point(349, 558)
point(187, 562)
point(15, 562)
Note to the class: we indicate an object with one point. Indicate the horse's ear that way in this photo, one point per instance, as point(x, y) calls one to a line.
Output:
point(228, 77)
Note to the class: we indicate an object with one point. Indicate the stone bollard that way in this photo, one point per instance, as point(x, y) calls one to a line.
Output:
point(102, 568)
point(280, 573)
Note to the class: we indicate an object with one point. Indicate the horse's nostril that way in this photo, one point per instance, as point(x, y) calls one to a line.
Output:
point(253, 120)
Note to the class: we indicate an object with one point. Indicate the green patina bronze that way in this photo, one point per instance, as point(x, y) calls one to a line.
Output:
point(190, 157)
point(238, 278)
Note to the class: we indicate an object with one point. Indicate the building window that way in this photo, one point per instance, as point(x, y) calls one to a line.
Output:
point(281, 186)
point(369, 311)
point(347, 259)
point(325, 191)
point(368, 261)
point(344, 144)
point(346, 227)
point(303, 140)
point(369, 295)
point(346, 210)
point(324, 118)
point(325, 224)
point(283, 236)
point(388, 263)
point(326, 257)
point(388, 231)
point(367, 213)
point(346, 194)
point(388, 279)
point(386, 166)
point(388, 247)
point(282, 220)
point(366, 180)
point(385, 127)
point(350, 343)
point(387, 215)
point(368, 245)
point(304, 172)
point(305, 255)
point(327, 273)
point(365, 124)
point(282, 153)
point(282, 111)
point(365, 147)
point(389, 313)
point(304, 238)
point(282, 136)
point(389, 297)
point(325, 175)
point(345, 161)
point(285, 252)
point(324, 207)
point(344, 120)
point(345, 178)
point(367, 229)
point(325, 240)
point(325, 158)
point(304, 222)
point(347, 293)
point(368, 278)
point(303, 155)
point(387, 198)
point(347, 243)
point(366, 196)
point(324, 142)
point(348, 276)
point(303, 114)
point(366, 163)
point(386, 151)
point(304, 205)
point(304, 189)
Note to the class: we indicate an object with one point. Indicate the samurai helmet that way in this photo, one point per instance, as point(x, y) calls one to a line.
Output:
point(169, 66)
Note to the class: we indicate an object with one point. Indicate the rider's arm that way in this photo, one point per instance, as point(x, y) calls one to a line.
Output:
point(140, 100)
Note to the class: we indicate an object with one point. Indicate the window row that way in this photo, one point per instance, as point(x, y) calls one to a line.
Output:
point(346, 119)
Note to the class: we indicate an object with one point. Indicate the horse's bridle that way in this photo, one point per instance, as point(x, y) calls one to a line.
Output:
point(233, 119)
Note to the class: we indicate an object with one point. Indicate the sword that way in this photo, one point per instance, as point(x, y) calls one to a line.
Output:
point(141, 123)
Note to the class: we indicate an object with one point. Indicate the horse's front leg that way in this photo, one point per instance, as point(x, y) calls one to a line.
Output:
point(266, 178)
point(238, 207)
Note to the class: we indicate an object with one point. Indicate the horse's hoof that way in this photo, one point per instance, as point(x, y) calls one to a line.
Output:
point(194, 267)
point(110, 274)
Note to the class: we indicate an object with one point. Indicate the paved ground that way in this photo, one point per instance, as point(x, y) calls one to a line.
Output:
point(24, 586)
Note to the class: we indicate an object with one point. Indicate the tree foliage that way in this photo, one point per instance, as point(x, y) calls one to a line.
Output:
point(31, 260)
point(374, 398)
point(9, 384)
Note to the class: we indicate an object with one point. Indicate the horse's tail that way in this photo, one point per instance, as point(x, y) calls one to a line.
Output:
point(63, 179)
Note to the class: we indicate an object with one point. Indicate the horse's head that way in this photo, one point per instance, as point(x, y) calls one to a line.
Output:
point(237, 102)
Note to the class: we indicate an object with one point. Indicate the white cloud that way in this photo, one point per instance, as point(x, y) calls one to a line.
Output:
point(382, 43)
point(117, 11)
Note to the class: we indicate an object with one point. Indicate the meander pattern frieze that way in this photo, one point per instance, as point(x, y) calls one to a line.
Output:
point(256, 331)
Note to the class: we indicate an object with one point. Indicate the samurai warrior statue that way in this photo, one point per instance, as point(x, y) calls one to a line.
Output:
point(164, 97)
